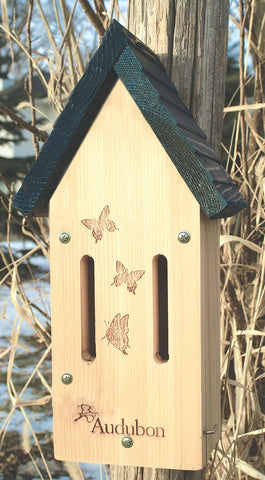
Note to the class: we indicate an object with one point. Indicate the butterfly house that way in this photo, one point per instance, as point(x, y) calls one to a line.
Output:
point(134, 195)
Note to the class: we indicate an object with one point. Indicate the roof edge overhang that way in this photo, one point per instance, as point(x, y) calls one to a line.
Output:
point(117, 57)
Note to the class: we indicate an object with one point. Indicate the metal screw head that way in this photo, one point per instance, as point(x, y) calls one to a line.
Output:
point(127, 442)
point(183, 236)
point(67, 378)
point(64, 237)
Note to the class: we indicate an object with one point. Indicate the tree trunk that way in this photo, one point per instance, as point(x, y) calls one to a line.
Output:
point(190, 38)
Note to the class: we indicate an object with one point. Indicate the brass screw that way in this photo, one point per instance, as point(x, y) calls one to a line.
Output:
point(183, 236)
point(64, 237)
point(127, 442)
point(67, 378)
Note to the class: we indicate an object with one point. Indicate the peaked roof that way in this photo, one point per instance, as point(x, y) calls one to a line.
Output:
point(121, 55)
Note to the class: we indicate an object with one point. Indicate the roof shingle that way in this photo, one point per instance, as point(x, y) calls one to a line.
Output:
point(121, 55)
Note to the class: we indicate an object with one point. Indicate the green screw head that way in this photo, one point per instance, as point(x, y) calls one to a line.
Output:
point(64, 237)
point(127, 442)
point(183, 236)
point(67, 378)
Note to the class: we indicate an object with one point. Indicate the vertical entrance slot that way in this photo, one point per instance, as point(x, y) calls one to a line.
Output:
point(160, 308)
point(88, 336)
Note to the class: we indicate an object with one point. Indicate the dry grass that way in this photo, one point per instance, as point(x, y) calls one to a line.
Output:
point(241, 451)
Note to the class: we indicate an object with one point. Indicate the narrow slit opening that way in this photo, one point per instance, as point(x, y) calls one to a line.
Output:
point(87, 282)
point(160, 308)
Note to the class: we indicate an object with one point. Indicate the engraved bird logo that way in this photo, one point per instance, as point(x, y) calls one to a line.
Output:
point(117, 333)
point(124, 277)
point(87, 412)
point(98, 225)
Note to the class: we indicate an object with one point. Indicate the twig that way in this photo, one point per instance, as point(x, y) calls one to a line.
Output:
point(48, 30)
point(30, 86)
point(92, 17)
point(69, 30)
point(67, 22)
point(252, 43)
point(102, 12)
point(40, 134)
point(259, 140)
point(246, 106)
point(242, 113)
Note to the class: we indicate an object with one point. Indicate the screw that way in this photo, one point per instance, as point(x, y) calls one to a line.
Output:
point(67, 378)
point(127, 442)
point(183, 237)
point(64, 237)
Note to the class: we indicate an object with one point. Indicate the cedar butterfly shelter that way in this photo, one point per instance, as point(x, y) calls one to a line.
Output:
point(134, 194)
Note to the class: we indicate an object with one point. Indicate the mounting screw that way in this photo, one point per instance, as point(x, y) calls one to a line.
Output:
point(64, 237)
point(183, 236)
point(127, 442)
point(67, 378)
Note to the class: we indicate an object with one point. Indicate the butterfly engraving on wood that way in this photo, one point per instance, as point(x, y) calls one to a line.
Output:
point(98, 225)
point(129, 278)
point(117, 333)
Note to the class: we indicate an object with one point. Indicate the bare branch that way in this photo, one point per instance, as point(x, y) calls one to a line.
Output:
point(92, 17)
point(30, 82)
point(102, 12)
point(247, 225)
point(40, 134)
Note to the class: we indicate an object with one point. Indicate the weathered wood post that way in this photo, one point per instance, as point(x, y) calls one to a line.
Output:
point(134, 194)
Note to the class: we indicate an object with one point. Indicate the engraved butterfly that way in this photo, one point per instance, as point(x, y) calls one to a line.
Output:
point(117, 333)
point(124, 277)
point(103, 222)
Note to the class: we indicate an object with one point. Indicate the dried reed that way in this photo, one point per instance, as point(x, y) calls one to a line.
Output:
point(241, 450)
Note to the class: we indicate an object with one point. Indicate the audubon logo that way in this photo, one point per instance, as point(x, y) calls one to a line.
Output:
point(98, 425)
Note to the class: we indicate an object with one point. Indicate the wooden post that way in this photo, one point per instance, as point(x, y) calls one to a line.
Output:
point(190, 37)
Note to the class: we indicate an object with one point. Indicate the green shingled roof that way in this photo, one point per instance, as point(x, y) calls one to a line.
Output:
point(121, 55)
